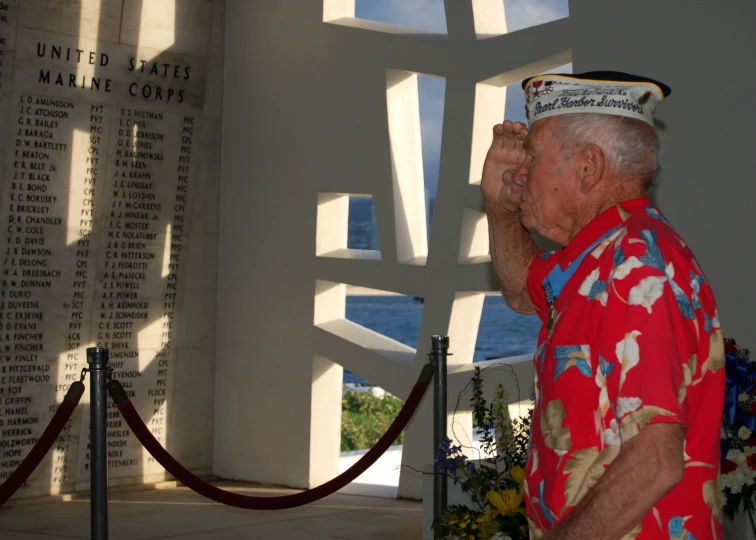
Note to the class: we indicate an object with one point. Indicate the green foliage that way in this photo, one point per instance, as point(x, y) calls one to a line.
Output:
point(365, 418)
point(495, 485)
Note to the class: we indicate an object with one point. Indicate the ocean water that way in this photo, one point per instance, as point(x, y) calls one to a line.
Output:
point(502, 332)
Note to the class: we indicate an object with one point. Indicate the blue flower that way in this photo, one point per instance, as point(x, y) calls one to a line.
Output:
point(654, 213)
point(568, 356)
point(619, 256)
point(708, 323)
point(606, 367)
point(653, 257)
point(695, 282)
point(682, 301)
point(597, 288)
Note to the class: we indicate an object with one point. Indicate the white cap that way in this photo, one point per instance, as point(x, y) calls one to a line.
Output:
point(603, 92)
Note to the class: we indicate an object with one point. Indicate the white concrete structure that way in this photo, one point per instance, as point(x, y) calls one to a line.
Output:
point(364, 78)
point(319, 105)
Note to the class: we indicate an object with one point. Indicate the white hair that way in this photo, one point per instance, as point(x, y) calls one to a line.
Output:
point(631, 147)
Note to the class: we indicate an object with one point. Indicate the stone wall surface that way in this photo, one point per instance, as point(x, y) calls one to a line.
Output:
point(109, 199)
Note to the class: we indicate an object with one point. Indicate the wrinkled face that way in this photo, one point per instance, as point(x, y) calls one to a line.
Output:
point(551, 186)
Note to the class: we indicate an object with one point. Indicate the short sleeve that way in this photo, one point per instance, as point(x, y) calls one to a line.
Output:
point(643, 340)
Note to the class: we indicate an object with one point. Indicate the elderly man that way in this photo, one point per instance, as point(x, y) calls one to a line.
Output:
point(629, 365)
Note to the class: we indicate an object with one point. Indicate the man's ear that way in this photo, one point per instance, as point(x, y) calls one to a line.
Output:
point(592, 164)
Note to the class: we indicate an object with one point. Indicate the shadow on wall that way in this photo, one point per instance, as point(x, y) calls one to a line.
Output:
point(88, 237)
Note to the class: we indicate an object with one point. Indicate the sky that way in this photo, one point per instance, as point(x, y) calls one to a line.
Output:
point(429, 15)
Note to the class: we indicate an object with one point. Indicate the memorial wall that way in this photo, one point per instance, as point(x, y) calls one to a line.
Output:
point(109, 179)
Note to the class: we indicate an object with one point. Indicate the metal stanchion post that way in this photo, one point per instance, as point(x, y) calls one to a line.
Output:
point(439, 351)
point(97, 358)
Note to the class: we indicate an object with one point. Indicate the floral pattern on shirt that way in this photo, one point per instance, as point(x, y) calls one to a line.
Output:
point(637, 341)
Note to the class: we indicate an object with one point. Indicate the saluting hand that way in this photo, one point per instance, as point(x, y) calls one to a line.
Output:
point(504, 157)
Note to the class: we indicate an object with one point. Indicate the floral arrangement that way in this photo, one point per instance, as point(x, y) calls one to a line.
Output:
point(496, 483)
point(738, 467)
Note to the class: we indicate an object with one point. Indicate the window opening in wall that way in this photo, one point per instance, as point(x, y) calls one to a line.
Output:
point(503, 333)
point(521, 14)
point(363, 231)
point(396, 316)
point(431, 92)
point(346, 227)
point(428, 15)
point(367, 411)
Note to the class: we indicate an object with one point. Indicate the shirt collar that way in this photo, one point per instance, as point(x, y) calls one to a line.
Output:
point(598, 226)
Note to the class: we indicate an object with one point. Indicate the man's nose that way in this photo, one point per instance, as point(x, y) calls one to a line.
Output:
point(520, 176)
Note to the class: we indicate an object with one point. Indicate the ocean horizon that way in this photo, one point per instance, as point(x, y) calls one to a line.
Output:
point(501, 332)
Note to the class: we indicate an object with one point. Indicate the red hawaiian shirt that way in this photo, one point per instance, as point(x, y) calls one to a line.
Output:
point(635, 340)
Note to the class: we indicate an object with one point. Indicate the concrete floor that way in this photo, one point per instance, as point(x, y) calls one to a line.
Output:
point(176, 512)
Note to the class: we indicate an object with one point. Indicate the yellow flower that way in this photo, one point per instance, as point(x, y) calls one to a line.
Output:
point(507, 502)
point(518, 474)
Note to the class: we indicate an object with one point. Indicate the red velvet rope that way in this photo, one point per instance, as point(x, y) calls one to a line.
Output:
point(214, 493)
point(45, 442)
